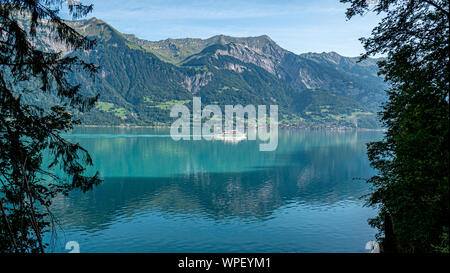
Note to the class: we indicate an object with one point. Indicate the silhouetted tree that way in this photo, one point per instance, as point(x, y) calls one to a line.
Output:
point(412, 187)
point(36, 163)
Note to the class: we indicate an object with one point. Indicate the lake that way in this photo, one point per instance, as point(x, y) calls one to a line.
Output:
point(160, 195)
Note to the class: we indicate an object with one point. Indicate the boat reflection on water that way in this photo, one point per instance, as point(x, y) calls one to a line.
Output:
point(233, 137)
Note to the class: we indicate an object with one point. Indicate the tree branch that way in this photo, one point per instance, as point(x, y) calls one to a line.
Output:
point(437, 6)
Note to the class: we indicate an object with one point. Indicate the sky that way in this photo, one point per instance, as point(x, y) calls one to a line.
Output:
point(299, 26)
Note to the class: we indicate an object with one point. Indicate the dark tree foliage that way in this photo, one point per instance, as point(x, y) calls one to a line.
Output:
point(30, 141)
point(412, 187)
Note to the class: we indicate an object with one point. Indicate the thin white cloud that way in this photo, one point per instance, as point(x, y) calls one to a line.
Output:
point(213, 10)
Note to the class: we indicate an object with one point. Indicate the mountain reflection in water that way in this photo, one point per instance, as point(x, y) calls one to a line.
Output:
point(159, 195)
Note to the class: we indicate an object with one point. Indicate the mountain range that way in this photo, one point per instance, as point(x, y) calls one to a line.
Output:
point(139, 81)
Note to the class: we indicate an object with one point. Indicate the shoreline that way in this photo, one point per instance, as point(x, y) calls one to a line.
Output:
point(314, 127)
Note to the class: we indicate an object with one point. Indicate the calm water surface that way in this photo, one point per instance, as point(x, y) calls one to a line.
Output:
point(159, 195)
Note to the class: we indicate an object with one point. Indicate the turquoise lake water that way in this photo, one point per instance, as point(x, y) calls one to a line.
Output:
point(160, 195)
